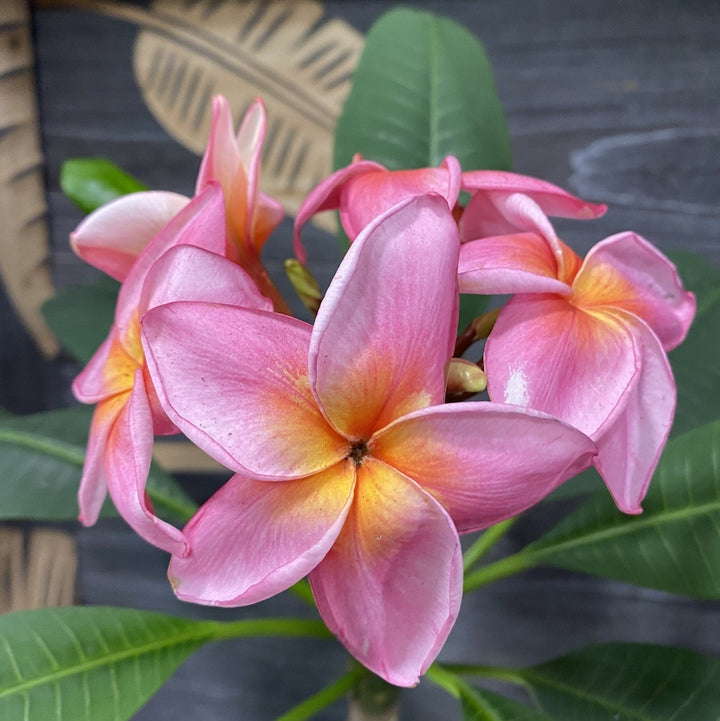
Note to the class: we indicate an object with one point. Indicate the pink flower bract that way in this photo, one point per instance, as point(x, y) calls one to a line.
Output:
point(349, 466)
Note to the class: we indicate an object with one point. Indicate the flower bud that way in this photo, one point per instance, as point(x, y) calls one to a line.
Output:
point(304, 284)
point(463, 377)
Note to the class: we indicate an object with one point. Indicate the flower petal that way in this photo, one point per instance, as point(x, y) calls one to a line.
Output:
point(253, 539)
point(221, 161)
point(552, 200)
point(189, 273)
point(519, 263)
point(93, 484)
point(200, 223)
point(235, 381)
point(127, 464)
point(386, 327)
point(109, 371)
point(625, 271)
point(546, 354)
point(630, 447)
point(390, 587)
point(326, 196)
point(112, 237)
point(467, 456)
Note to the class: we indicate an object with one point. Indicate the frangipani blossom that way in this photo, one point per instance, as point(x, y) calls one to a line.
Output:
point(128, 414)
point(113, 236)
point(585, 341)
point(349, 466)
point(364, 190)
point(503, 203)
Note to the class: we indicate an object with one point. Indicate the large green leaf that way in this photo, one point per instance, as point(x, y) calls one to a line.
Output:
point(696, 365)
point(41, 459)
point(482, 705)
point(423, 89)
point(92, 182)
point(627, 682)
point(102, 664)
point(81, 316)
point(674, 545)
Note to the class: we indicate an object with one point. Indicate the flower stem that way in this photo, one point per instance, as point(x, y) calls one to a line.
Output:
point(507, 566)
point(485, 542)
point(323, 698)
point(293, 627)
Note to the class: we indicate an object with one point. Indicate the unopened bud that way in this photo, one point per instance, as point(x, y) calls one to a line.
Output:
point(464, 377)
point(304, 284)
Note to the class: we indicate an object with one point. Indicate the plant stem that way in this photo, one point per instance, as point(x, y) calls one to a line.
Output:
point(293, 627)
point(507, 566)
point(302, 590)
point(486, 541)
point(323, 698)
point(443, 678)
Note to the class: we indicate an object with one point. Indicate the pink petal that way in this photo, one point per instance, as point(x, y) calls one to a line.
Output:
point(253, 539)
point(625, 271)
point(250, 138)
point(221, 161)
point(200, 223)
point(546, 354)
point(235, 381)
point(127, 464)
point(386, 327)
point(520, 263)
point(93, 484)
point(390, 587)
point(467, 456)
point(630, 447)
point(189, 273)
point(326, 196)
point(552, 200)
point(112, 237)
point(92, 384)
point(367, 196)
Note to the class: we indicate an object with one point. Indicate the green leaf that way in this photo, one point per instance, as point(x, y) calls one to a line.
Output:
point(81, 316)
point(41, 459)
point(627, 682)
point(696, 365)
point(423, 89)
point(102, 664)
point(482, 705)
point(89, 664)
point(673, 546)
point(696, 273)
point(92, 182)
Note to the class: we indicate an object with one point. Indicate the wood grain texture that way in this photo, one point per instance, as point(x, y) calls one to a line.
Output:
point(24, 238)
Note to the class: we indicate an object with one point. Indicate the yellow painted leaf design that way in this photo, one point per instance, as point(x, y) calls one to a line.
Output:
point(287, 52)
point(23, 212)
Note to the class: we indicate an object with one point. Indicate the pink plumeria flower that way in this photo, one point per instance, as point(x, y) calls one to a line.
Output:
point(503, 203)
point(128, 414)
point(364, 190)
point(348, 464)
point(586, 341)
point(112, 237)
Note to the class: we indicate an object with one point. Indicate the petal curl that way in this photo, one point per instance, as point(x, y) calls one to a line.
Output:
point(235, 381)
point(221, 161)
point(467, 456)
point(552, 200)
point(519, 263)
point(127, 464)
point(112, 237)
point(390, 587)
point(630, 447)
point(326, 196)
point(546, 354)
point(200, 223)
point(93, 484)
point(190, 273)
point(253, 539)
point(627, 272)
point(386, 327)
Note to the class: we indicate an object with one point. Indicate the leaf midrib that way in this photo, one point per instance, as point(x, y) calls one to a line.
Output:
point(43, 444)
point(109, 659)
point(622, 529)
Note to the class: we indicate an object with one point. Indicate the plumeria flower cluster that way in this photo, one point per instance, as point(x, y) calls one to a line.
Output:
point(349, 466)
